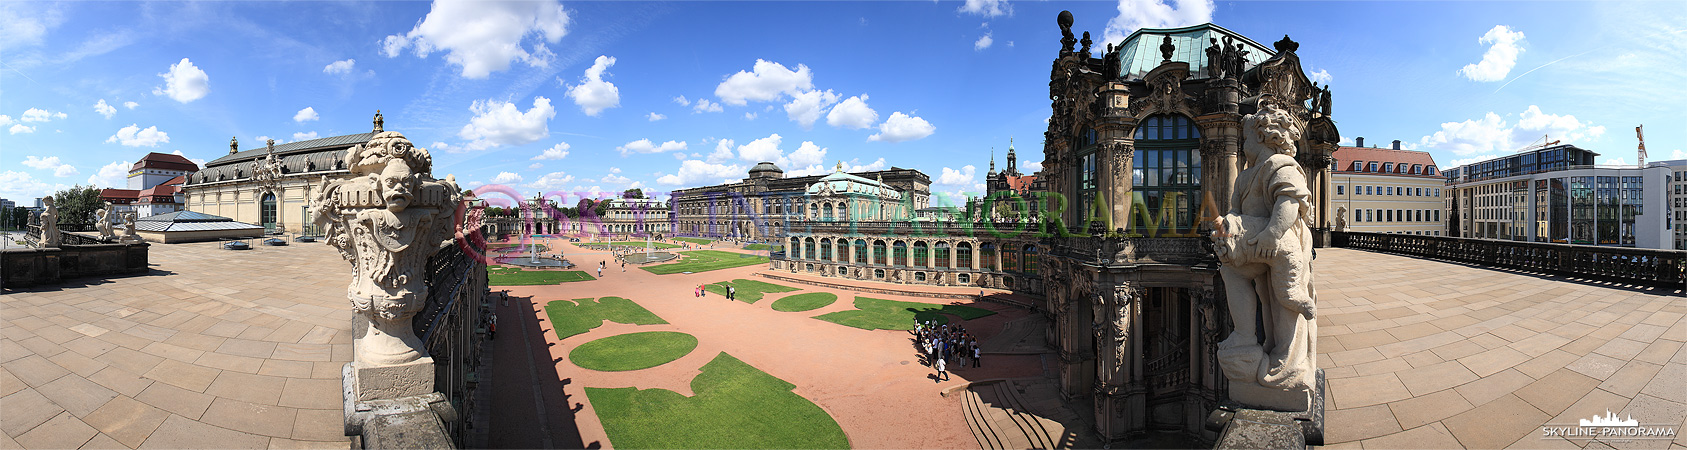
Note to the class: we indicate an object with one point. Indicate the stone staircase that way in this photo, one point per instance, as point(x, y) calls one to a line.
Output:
point(1023, 414)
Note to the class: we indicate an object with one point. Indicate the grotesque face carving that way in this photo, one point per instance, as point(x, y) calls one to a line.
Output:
point(397, 185)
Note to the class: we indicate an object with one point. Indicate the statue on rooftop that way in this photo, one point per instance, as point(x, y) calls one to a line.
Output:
point(1066, 39)
point(1264, 246)
point(387, 219)
point(50, 237)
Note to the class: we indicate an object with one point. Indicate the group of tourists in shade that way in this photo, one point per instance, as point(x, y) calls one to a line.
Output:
point(943, 343)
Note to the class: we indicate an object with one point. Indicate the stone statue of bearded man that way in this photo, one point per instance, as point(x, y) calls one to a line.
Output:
point(1264, 246)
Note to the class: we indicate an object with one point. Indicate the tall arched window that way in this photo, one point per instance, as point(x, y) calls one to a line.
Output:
point(1030, 259)
point(267, 214)
point(808, 248)
point(987, 256)
point(879, 256)
point(963, 255)
point(1166, 173)
point(825, 249)
point(860, 251)
point(940, 252)
point(899, 254)
point(921, 250)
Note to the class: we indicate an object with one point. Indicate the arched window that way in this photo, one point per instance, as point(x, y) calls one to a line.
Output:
point(987, 256)
point(963, 255)
point(860, 251)
point(1010, 258)
point(940, 252)
point(899, 254)
point(879, 253)
point(1030, 266)
point(1166, 173)
point(267, 214)
point(825, 249)
point(826, 212)
point(808, 247)
point(920, 252)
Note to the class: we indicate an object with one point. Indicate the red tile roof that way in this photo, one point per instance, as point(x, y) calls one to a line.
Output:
point(120, 196)
point(1021, 183)
point(1345, 156)
point(165, 161)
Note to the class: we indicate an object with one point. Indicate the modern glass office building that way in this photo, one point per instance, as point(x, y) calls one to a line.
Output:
point(1556, 194)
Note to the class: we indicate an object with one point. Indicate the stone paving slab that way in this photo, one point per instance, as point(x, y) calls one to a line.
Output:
point(213, 349)
point(1429, 354)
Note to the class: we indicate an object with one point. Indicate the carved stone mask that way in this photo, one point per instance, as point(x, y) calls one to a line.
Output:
point(397, 185)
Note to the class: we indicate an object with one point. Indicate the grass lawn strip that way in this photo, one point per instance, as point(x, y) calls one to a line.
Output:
point(735, 406)
point(698, 241)
point(512, 276)
point(706, 260)
point(633, 351)
point(629, 244)
point(876, 314)
point(749, 291)
point(754, 247)
point(583, 314)
point(805, 302)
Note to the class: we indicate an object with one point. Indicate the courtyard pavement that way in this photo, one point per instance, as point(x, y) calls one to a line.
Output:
point(1429, 354)
point(212, 349)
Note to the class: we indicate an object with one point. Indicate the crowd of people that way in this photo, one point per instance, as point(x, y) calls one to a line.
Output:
point(941, 343)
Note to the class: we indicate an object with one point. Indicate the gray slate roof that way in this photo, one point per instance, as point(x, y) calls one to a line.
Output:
point(255, 152)
point(296, 157)
point(190, 221)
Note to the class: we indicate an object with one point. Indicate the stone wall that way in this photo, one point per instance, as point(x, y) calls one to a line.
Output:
point(39, 266)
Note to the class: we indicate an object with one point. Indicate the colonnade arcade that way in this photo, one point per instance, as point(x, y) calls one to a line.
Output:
point(937, 260)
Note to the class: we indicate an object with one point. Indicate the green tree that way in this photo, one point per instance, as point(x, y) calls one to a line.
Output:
point(19, 217)
point(76, 207)
point(633, 193)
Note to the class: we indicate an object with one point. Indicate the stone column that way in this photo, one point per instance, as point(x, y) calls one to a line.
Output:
point(977, 254)
point(387, 219)
point(952, 255)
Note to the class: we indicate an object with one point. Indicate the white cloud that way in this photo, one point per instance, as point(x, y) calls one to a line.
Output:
point(130, 105)
point(682, 101)
point(437, 145)
point(983, 42)
point(552, 181)
point(306, 115)
point(5, 120)
point(593, 94)
point(20, 128)
point(645, 146)
point(853, 114)
point(485, 37)
point(1030, 166)
point(749, 116)
point(1321, 76)
point(704, 105)
point(616, 179)
point(558, 151)
point(114, 175)
point(498, 124)
point(1135, 14)
point(506, 178)
point(764, 149)
point(535, 165)
point(199, 161)
point(262, 139)
point(965, 176)
point(305, 136)
point(766, 81)
point(40, 115)
point(339, 67)
point(681, 155)
point(134, 136)
point(65, 171)
point(1493, 133)
point(1615, 162)
point(184, 82)
point(39, 163)
point(22, 185)
point(655, 117)
point(693, 172)
point(901, 127)
point(1678, 154)
point(722, 153)
point(807, 154)
point(987, 8)
point(104, 109)
point(25, 28)
point(1499, 59)
point(805, 107)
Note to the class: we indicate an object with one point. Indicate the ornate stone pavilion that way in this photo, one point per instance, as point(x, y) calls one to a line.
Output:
point(764, 205)
point(266, 185)
point(1147, 142)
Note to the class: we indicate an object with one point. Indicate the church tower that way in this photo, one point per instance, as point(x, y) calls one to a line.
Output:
point(1013, 168)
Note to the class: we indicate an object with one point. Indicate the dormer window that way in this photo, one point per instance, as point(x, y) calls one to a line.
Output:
point(1387, 167)
point(1430, 170)
point(1358, 166)
point(1372, 167)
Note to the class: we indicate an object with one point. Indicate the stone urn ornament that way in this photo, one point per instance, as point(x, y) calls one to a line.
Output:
point(387, 219)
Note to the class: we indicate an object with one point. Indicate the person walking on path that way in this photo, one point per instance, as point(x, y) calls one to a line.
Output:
point(600, 270)
point(942, 370)
point(623, 265)
point(975, 355)
point(731, 293)
point(492, 328)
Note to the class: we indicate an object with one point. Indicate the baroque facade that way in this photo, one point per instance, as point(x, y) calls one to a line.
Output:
point(267, 185)
point(1143, 150)
point(762, 205)
point(1387, 190)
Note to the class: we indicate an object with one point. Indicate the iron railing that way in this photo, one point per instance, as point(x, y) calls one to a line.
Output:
point(452, 326)
point(1666, 268)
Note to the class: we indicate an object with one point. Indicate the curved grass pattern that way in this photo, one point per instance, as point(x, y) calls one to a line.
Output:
point(633, 351)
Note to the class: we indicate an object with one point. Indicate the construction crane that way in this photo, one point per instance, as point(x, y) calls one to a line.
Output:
point(1642, 137)
point(1533, 145)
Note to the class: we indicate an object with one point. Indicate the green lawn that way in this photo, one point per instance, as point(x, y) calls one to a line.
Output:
point(777, 248)
point(876, 314)
point(804, 302)
point(569, 318)
point(513, 276)
point(706, 260)
point(698, 241)
point(630, 244)
point(633, 351)
point(749, 291)
point(735, 406)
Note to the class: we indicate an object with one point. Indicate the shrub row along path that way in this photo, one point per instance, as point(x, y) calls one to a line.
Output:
point(870, 382)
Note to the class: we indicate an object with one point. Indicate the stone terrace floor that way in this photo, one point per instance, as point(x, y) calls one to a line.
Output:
point(1428, 354)
point(213, 349)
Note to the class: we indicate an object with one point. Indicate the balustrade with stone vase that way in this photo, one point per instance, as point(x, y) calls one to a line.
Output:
point(1665, 268)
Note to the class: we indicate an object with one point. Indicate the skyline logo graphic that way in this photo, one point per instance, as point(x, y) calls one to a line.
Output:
point(1610, 420)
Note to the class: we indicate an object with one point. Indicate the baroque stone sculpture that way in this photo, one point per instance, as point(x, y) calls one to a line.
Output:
point(387, 219)
point(102, 222)
point(129, 228)
point(50, 237)
point(1264, 246)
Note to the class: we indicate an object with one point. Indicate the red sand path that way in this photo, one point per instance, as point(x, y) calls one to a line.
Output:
point(871, 382)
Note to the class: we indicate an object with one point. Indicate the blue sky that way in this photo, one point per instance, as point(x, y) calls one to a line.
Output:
point(588, 96)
